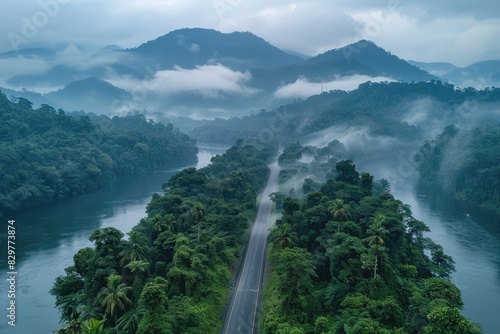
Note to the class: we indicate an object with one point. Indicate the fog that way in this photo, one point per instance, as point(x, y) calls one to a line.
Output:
point(18, 66)
point(303, 88)
point(432, 117)
point(452, 160)
point(356, 139)
point(209, 81)
point(393, 158)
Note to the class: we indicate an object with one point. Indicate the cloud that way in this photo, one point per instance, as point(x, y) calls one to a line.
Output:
point(309, 27)
point(206, 80)
point(411, 32)
point(355, 138)
point(457, 32)
point(10, 67)
point(429, 9)
point(303, 88)
point(79, 58)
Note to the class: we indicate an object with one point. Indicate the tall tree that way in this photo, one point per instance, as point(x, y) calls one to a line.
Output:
point(339, 211)
point(154, 300)
point(296, 271)
point(136, 249)
point(377, 237)
point(129, 321)
point(346, 172)
point(283, 237)
point(138, 269)
point(198, 212)
point(114, 297)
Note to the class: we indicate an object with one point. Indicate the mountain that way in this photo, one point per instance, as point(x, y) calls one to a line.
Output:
point(395, 112)
point(110, 48)
point(57, 75)
point(361, 58)
point(434, 68)
point(36, 98)
point(29, 53)
point(479, 75)
point(298, 54)
point(254, 71)
point(92, 95)
point(195, 46)
point(365, 56)
point(484, 73)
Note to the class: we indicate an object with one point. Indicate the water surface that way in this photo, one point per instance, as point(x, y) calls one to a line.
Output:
point(47, 238)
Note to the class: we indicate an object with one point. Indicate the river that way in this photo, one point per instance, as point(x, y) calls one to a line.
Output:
point(47, 238)
point(470, 236)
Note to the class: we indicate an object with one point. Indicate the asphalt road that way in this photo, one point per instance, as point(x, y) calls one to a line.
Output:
point(243, 308)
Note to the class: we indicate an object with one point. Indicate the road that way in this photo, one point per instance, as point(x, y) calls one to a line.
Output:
point(243, 308)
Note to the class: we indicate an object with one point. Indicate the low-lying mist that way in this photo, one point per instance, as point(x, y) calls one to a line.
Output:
point(303, 88)
point(432, 116)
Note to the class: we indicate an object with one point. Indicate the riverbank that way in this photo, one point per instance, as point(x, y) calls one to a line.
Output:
point(467, 208)
point(49, 235)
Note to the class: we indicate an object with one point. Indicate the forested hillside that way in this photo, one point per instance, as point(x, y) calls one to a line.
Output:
point(387, 109)
point(464, 164)
point(345, 261)
point(48, 155)
point(172, 272)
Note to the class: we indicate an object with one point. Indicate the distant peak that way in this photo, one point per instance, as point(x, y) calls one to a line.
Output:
point(363, 44)
point(110, 48)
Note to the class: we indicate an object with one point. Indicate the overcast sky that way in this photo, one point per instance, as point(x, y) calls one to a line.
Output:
point(458, 31)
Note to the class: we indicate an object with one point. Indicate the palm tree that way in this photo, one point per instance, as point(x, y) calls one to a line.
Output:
point(160, 224)
point(157, 224)
point(284, 237)
point(137, 248)
point(377, 236)
point(114, 296)
point(69, 306)
point(198, 214)
point(339, 211)
point(138, 268)
point(94, 326)
point(130, 320)
point(170, 222)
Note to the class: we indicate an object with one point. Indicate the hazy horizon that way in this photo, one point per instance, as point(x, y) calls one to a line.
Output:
point(460, 33)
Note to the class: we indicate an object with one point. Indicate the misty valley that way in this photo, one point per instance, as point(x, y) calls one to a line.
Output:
point(208, 182)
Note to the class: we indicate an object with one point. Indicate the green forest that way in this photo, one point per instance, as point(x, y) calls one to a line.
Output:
point(48, 155)
point(343, 260)
point(172, 273)
point(464, 164)
point(382, 107)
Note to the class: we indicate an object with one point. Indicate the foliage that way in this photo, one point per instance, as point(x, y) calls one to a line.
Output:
point(94, 326)
point(446, 320)
point(382, 107)
point(360, 265)
point(291, 153)
point(172, 273)
point(464, 164)
point(48, 155)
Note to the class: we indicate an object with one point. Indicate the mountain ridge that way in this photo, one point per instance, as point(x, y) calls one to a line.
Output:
point(209, 45)
point(252, 69)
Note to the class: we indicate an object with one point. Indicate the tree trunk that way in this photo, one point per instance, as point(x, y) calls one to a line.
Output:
point(199, 231)
point(375, 267)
